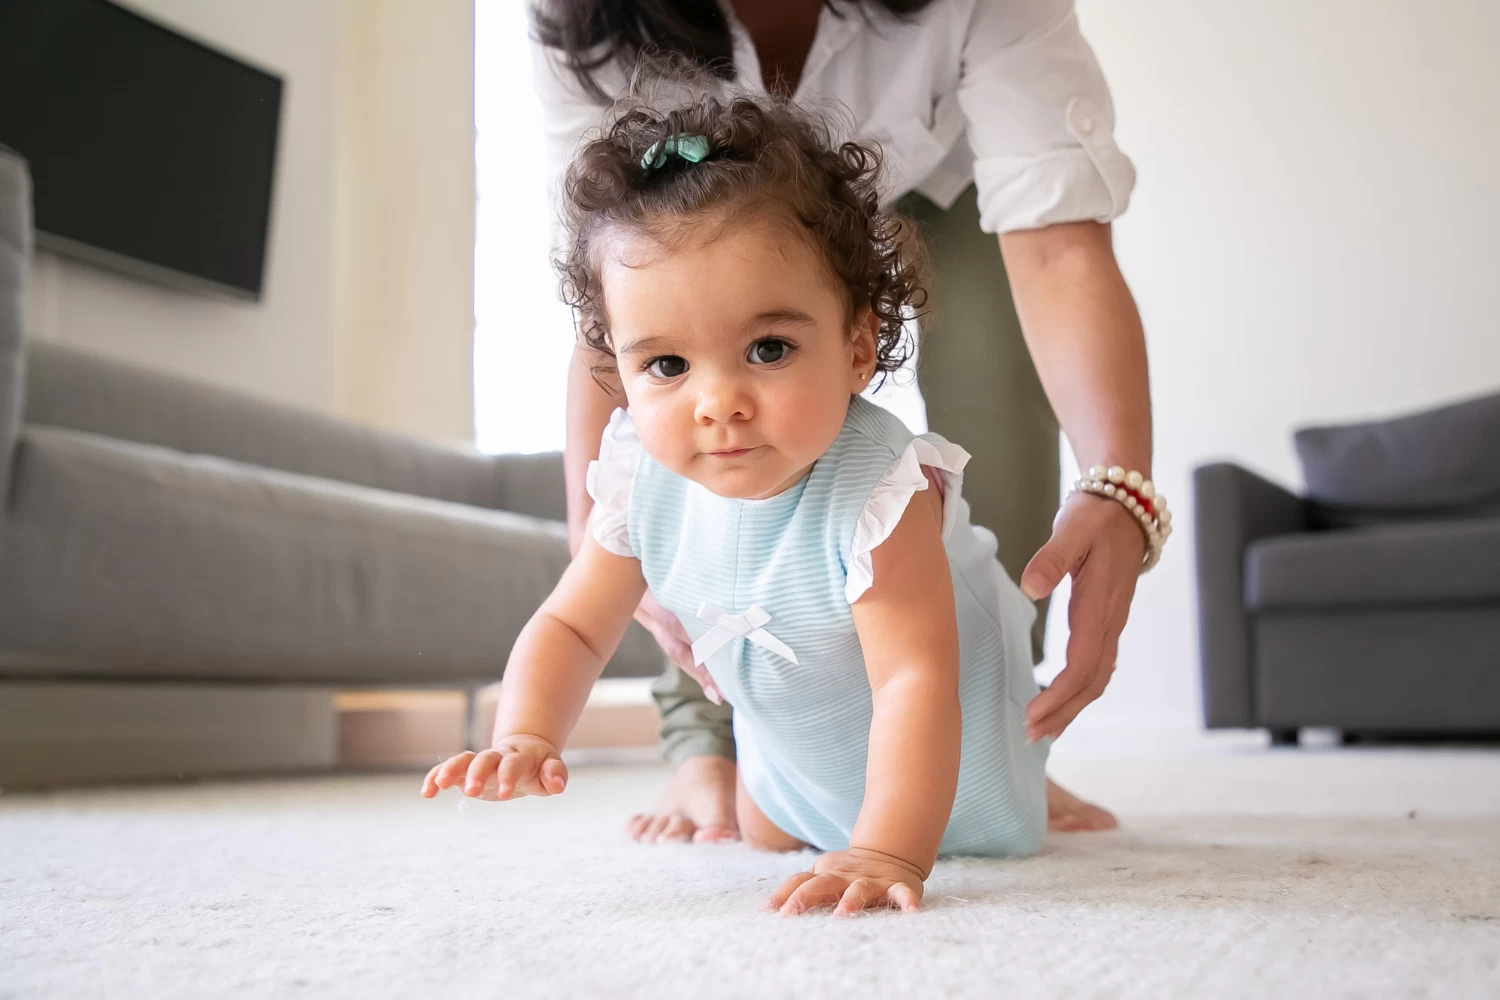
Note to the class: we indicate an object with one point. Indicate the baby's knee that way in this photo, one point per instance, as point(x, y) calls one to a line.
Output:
point(780, 843)
point(757, 831)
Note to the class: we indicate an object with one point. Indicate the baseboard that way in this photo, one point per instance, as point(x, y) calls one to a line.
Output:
point(70, 733)
point(77, 733)
point(399, 729)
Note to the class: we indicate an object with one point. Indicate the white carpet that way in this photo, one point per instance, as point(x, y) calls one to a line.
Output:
point(1239, 873)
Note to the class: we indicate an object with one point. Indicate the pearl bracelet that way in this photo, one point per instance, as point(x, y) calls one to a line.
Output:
point(1138, 495)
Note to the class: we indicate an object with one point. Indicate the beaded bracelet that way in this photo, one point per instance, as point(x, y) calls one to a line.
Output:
point(1138, 495)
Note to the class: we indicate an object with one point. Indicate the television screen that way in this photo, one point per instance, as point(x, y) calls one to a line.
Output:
point(149, 151)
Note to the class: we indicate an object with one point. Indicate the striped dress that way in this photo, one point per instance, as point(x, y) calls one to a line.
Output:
point(764, 587)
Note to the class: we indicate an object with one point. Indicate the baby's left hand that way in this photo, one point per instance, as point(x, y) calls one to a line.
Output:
point(851, 881)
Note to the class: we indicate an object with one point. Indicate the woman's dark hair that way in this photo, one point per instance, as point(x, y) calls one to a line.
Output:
point(765, 157)
point(593, 33)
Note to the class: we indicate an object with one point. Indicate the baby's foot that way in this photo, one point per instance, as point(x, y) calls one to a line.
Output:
point(1067, 813)
point(697, 806)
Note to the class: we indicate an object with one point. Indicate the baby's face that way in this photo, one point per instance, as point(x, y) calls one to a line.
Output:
point(734, 355)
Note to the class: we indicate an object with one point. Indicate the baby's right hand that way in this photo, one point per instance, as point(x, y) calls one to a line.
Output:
point(515, 766)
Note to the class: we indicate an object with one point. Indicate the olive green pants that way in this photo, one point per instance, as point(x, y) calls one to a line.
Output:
point(982, 393)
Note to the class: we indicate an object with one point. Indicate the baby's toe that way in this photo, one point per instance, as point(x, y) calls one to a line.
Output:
point(654, 829)
point(677, 827)
point(715, 835)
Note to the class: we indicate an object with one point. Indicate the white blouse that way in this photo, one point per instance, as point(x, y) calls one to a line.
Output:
point(1004, 93)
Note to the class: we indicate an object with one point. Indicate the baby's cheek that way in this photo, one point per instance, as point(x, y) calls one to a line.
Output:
point(807, 425)
point(672, 447)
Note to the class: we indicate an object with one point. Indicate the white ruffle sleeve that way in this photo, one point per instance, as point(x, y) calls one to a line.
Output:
point(890, 496)
point(609, 482)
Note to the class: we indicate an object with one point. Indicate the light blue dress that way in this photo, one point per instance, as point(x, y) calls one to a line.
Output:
point(764, 587)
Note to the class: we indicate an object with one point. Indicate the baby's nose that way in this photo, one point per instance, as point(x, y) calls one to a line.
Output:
point(723, 400)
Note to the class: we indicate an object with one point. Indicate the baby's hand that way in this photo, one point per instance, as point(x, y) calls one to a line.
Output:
point(515, 766)
point(851, 881)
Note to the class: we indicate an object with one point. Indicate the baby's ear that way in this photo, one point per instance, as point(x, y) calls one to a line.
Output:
point(864, 343)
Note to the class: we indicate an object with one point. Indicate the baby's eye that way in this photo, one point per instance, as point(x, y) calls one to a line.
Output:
point(667, 366)
point(769, 351)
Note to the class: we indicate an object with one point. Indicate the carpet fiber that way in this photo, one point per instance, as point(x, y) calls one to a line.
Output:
point(1238, 873)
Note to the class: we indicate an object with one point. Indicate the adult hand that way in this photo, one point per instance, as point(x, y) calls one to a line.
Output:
point(1099, 544)
point(675, 642)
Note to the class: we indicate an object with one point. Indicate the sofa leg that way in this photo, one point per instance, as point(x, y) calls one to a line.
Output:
point(1284, 737)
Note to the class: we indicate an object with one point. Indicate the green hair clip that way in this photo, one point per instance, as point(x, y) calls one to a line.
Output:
point(692, 148)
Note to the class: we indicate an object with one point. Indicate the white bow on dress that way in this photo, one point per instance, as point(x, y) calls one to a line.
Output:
point(749, 625)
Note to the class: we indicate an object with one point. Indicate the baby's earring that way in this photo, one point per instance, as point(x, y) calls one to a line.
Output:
point(862, 376)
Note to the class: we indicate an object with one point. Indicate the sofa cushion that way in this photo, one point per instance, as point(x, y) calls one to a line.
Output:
point(1446, 459)
point(1443, 562)
point(127, 560)
point(1412, 669)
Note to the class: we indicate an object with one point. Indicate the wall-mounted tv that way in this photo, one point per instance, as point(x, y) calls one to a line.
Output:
point(150, 152)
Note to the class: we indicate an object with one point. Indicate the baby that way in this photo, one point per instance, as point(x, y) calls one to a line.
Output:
point(730, 264)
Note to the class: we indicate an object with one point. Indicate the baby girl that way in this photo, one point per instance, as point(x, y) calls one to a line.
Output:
point(730, 265)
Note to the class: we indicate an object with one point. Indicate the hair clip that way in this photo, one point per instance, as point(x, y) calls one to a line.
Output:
point(692, 148)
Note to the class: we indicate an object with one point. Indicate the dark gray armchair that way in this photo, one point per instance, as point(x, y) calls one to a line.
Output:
point(1372, 605)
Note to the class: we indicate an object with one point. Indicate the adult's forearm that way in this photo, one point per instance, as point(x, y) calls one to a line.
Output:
point(589, 407)
point(911, 777)
point(1084, 333)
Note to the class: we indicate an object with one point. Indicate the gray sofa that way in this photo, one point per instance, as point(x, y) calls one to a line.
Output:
point(155, 529)
point(1372, 604)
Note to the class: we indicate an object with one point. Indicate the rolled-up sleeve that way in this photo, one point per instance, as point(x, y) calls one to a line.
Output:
point(1040, 119)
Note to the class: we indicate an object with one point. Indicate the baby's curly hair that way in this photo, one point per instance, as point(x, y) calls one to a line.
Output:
point(762, 153)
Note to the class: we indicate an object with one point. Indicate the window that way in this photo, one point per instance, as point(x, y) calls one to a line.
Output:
point(523, 334)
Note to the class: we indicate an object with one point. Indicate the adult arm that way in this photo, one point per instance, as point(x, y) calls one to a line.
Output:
point(589, 407)
point(1051, 179)
point(1084, 334)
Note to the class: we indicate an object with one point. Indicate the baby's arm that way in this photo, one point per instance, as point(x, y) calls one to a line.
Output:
point(555, 661)
point(909, 633)
point(908, 629)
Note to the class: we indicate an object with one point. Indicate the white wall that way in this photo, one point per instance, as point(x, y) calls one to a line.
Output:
point(1313, 239)
point(524, 334)
point(368, 305)
point(404, 231)
point(283, 346)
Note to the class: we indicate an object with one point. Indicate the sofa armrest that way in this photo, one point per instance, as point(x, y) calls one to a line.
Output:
point(1232, 508)
point(83, 392)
